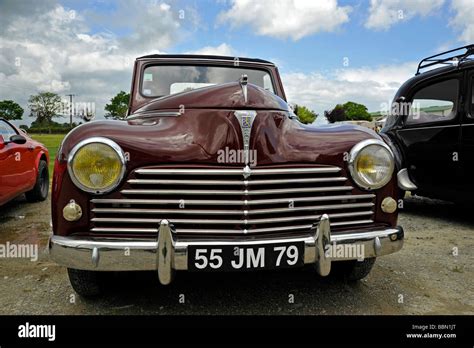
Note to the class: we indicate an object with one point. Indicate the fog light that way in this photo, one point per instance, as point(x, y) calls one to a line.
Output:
point(389, 205)
point(393, 237)
point(72, 211)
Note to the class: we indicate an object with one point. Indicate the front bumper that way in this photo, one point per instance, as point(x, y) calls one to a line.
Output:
point(169, 253)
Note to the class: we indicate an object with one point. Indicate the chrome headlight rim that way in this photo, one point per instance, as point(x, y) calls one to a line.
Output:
point(101, 140)
point(353, 155)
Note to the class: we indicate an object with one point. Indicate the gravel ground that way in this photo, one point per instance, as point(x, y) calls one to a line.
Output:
point(423, 278)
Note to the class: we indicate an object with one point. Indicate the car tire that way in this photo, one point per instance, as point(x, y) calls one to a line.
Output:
point(354, 270)
point(41, 188)
point(88, 284)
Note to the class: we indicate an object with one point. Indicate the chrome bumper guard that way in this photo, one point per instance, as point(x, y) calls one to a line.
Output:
point(168, 253)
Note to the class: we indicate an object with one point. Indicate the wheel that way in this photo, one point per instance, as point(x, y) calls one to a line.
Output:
point(41, 188)
point(88, 284)
point(354, 270)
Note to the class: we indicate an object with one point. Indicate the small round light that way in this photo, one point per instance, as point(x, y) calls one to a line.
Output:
point(96, 165)
point(72, 211)
point(389, 205)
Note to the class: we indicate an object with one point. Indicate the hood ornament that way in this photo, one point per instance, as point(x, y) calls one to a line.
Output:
point(246, 118)
point(243, 84)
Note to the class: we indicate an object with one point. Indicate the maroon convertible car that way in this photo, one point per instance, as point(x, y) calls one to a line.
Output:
point(212, 171)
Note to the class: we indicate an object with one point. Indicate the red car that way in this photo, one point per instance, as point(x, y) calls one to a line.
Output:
point(23, 165)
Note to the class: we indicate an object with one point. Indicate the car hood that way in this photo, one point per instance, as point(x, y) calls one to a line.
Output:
point(201, 136)
point(222, 96)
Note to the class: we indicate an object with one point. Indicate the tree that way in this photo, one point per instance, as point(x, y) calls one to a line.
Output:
point(304, 114)
point(118, 106)
point(349, 111)
point(44, 106)
point(335, 115)
point(10, 110)
point(355, 111)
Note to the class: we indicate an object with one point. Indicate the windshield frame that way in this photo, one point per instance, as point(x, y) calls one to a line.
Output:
point(207, 64)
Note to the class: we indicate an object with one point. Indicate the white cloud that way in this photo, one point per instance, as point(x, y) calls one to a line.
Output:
point(385, 13)
point(462, 20)
point(222, 50)
point(372, 87)
point(51, 48)
point(282, 19)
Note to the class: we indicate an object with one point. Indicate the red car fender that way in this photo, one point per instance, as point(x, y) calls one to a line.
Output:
point(41, 152)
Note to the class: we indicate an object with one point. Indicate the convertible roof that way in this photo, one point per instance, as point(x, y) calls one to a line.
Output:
point(205, 57)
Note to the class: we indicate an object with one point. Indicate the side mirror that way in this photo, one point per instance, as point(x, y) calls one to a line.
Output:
point(17, 139)
point(292, 114)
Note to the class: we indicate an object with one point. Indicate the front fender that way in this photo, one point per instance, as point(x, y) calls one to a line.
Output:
point(42, 152)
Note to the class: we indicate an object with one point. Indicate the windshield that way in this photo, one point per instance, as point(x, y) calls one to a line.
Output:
point(162, 80)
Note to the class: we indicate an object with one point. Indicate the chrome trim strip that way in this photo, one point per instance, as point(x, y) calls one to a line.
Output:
point(235, 192)
point(348, 223)
point(230, 221)
point(228, 211)
point(231, 202)
point(177, 171)
point(234, 182)
point(224, 231)
point(404, 181)
point(151, 114)
point(167, 211)
point(124, 230)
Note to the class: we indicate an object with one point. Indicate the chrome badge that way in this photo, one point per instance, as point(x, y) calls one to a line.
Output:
point(246, 118)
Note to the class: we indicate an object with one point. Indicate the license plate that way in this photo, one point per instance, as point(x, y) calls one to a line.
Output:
point(245, 257)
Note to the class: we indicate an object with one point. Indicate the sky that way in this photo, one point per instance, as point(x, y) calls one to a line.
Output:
point(328, 51)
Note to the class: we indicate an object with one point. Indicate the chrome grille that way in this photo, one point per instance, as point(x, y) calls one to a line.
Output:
point(232, 201)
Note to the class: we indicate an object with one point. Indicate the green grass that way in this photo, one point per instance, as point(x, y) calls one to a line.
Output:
point(52, 142)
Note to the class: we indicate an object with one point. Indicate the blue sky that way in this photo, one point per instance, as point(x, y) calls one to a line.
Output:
point(404, 41)
point(88, 47)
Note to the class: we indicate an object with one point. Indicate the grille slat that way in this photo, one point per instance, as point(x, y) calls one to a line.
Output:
point(225, 231)
point(224, 212)
point(232, 201)
point(231, 182)
point(230, 221)
point(279, 171)
point(235, 192)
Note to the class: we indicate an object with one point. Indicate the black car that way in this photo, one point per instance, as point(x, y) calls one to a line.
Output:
point(431, 127)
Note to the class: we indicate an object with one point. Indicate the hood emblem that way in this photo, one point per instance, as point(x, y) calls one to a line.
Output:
point(246, 118)
point(243, 84)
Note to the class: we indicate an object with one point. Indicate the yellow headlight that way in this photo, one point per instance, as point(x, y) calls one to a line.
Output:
point(365, 164)
point(96, 165)
point(371, 164)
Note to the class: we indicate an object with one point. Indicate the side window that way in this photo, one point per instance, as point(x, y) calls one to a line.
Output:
point(471, 107)
point(6, 131)
point(435, 103)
